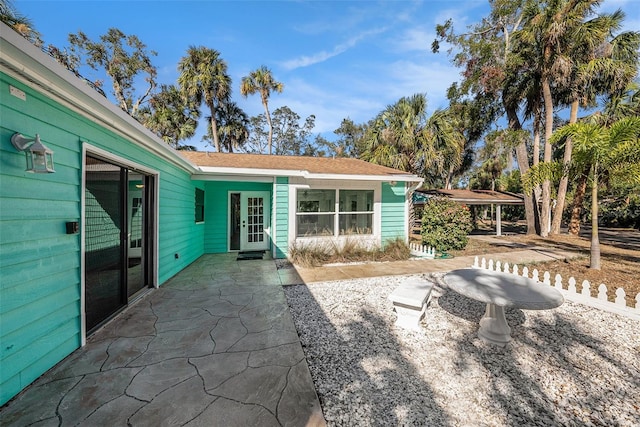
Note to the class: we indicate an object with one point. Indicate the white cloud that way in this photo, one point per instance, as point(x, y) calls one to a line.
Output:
point(432, 78)
point(415, 39)
point(307, 60)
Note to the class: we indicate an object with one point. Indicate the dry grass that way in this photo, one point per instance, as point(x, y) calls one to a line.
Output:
point(347, 250)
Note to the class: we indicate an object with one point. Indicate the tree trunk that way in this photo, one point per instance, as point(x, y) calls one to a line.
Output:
point(270, 137)
point(537, 190)
point(447, 183)
point(530, 208)
point(595, 241)
point(536, 138)
point(548, 130)
point(578, 199)
point(564, 181)
point(214, 128)
point(522, 157)
point(411, 216)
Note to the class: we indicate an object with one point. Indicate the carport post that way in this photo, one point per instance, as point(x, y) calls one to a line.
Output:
point(498, 220)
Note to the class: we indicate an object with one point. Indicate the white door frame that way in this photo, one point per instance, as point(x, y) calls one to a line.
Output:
point(245, 224)
point(108, 156)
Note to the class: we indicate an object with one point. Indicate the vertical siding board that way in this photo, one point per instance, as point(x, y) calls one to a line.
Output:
point(34, 246)
point(282, 217)
point(393, 212)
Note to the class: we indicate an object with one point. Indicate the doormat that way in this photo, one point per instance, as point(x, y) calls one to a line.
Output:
point(247, 255)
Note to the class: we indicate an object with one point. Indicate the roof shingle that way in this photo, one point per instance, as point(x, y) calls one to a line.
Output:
point(315, 165)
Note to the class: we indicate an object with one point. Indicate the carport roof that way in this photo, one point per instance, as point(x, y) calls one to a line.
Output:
point(477, 197)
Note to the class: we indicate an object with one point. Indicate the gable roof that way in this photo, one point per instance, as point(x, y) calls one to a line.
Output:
point(309, 167)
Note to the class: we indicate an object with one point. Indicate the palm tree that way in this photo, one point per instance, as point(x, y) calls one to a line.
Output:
point(395, 137)
point(550, 29)
point(447, 143)
point(233, 129)
point(602, 65)
point(402, 137)
point(617, 107)
point(203, 78)
point(262, 81)
point(10, 16)
point(170, 116)
point(614, 149)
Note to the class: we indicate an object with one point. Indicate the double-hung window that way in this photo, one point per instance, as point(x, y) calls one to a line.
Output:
point(333, 212)
point(315, 213)
point(356, 212)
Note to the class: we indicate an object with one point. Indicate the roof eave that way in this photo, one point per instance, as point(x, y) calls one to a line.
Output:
point(231, 171)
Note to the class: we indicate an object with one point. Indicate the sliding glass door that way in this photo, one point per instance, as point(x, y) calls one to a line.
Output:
point(118, 238)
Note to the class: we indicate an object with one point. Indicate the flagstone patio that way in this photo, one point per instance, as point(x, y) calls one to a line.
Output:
point(215, 345)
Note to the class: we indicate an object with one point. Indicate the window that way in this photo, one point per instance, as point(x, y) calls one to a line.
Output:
point(199, 205)
point(356, 212)
point(316, 212)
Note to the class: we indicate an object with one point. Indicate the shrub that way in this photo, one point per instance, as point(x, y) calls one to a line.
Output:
point(395, 250)
point(309, 255)
point(445, 224)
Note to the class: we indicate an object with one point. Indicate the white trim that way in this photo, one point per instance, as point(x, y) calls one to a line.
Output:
point(249, 171)
point(235, 178)
point(268, 225)
point(88, 149)
point(379, 178)
point(83, 315)
point(274, 207)
point(107, 155)
point(230, 172)
point(229, 193)
point(376, 187)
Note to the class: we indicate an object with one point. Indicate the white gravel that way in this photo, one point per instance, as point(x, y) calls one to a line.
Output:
point(571, 366)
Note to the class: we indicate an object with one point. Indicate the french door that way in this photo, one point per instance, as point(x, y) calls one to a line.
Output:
point(118, 237)
point(249, 220)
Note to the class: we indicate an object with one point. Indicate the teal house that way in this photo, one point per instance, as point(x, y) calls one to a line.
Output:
point(95, 210)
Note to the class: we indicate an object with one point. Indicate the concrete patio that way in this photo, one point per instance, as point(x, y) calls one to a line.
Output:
point(215, 346)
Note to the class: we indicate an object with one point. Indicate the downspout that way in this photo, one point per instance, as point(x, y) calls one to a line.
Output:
point(410, 189)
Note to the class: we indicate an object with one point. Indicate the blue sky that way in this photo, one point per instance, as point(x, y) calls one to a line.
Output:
point(337, 59)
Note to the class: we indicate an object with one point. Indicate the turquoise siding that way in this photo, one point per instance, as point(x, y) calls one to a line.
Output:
point(216, 211)
point(281, 220)
point(394, 224)
point(40, 275)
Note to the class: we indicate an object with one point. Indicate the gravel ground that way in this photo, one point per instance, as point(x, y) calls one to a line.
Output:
point(571, 366)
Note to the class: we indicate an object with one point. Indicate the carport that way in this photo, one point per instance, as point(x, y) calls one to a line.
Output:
point(474, 197)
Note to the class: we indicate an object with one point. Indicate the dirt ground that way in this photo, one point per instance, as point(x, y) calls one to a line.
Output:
point(620, 258)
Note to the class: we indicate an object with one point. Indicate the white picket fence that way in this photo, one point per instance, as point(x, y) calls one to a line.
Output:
point(422, 251)
point(572, 293)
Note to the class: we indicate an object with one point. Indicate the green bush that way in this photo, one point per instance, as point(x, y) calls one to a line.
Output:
point(445, 224)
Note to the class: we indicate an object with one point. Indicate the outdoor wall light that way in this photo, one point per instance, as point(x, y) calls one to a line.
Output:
point(39, 157)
